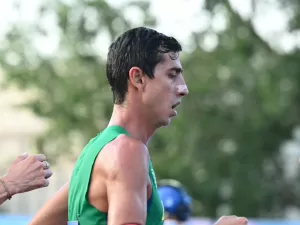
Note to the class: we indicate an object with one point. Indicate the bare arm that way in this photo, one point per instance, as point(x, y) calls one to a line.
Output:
point(55, 211)
point(127, 183)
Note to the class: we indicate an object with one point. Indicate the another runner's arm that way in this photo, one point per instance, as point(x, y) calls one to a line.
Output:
point(55, 211)
point(127, 183)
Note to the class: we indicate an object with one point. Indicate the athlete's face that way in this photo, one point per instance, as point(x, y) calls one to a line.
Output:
point(163, 93)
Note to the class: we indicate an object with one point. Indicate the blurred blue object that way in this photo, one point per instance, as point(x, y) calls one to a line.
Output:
point(24, 220)
point(275, 222)
point(176, 201)
point(14, 220)
point(202, 221)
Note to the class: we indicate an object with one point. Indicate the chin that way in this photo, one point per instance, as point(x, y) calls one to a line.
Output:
point(165, 123)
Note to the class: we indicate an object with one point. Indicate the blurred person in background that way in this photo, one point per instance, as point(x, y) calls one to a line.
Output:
point(176, 201)
point(25, 174)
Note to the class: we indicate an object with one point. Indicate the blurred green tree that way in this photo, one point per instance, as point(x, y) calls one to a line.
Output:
point(243, 105)
point(69, 85)
point(225, 144)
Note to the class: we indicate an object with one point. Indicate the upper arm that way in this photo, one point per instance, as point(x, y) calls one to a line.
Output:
point(127, 182)
point(55, 211)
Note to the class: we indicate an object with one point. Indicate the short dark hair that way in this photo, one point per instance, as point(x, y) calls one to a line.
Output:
point(141, 47)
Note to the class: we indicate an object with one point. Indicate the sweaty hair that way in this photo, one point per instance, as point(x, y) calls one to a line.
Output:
point(141, 47)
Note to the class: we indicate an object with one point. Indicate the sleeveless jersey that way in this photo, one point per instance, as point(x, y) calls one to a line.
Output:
point(80, 211)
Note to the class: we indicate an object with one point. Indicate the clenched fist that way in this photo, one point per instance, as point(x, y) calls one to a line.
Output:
point(27, 173)
point(232, 220)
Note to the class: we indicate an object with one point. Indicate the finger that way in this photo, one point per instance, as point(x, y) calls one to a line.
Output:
point(40, 183)
point(40, 157)
point(228, 217)
point(46, 183)
point(21, 158)
point(242, 220)
point(46, 165)
point(47, 174)
point(232, 216)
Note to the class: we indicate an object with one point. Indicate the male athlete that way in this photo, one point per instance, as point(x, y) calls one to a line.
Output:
point(176, 201)
point(113, 181)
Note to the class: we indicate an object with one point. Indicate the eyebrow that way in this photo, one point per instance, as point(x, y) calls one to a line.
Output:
point(176, 69)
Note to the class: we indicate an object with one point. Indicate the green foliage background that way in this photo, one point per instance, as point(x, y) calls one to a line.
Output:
point(225, 144)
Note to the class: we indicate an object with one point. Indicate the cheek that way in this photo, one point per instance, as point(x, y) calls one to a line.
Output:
point(158, 94)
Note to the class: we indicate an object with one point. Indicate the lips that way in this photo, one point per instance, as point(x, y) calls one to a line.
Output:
point(175, 105)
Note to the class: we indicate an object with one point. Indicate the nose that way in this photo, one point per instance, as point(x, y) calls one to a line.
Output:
point(182, 90)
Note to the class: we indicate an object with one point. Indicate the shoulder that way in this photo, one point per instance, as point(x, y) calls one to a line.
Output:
point(125, 156)
point(128, 147)
point(128, 152)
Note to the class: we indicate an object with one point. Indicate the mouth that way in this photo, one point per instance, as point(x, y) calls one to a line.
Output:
point(175, 105)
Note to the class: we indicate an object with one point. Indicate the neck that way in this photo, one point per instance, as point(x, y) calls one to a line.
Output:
point(133, 122)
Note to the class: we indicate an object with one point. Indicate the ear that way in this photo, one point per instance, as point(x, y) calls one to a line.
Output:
point(137, 77)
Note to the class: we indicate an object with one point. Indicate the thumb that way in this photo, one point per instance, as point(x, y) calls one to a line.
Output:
point(21, 157)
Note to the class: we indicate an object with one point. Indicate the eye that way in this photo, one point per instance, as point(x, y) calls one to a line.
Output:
point(172, 75)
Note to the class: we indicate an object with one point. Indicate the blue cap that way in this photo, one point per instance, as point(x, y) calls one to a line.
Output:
point(176, 201)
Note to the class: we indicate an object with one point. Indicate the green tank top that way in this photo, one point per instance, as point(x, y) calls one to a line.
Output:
point(79, 209)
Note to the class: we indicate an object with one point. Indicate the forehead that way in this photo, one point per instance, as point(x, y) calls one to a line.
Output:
point(169, 61)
